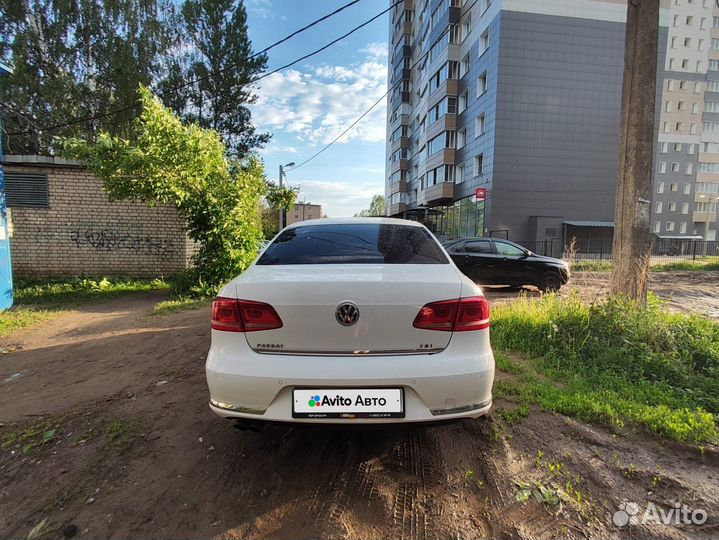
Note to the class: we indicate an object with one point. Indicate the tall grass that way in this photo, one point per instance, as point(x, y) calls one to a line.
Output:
point(614, 361)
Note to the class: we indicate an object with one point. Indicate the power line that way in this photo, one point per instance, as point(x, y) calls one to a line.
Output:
point(439, 38)
point(164, 92)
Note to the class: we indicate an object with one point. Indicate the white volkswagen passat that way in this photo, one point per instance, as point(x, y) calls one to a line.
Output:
point(363, 320)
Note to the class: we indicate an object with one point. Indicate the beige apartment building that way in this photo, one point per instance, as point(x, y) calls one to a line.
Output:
point(303, 211)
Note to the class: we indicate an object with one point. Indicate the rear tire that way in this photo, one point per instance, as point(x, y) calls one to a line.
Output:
point(549, 282)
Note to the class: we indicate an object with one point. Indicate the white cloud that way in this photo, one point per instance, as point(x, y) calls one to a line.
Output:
point(279, 149)
point(317, 105)
point(339, 199)
point(377, 50)
point(263, 9)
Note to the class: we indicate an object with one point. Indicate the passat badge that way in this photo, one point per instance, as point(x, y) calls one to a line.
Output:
point(347, 314)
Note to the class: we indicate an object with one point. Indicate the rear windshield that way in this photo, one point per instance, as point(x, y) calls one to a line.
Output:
point(356, 243)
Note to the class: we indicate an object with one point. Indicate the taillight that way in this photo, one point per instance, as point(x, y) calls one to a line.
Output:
point(437, 316)
point(473, 314)
point(459, 315)
point(232, 315)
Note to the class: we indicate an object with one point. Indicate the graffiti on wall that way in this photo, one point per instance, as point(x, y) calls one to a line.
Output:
point(137, 243)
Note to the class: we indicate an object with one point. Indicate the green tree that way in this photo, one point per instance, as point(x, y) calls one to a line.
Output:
point(219, 50)
point(78, 59)
point(167, 161)
point(376, 208)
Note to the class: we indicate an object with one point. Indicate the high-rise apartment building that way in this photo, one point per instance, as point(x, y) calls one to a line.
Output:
point(523, 97)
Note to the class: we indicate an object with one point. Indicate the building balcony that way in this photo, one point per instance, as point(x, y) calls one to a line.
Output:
point(398, 187)
point(448, 87)
point(444, 157)
point(438, 193)
point(395, 209)
point(399, 165)
point(447, 122)
point(704, 217)
point(402, 142)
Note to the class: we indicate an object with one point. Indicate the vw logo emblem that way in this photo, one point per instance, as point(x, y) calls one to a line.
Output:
point(347, 314)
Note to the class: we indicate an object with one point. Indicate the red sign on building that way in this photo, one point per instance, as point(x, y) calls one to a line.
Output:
point(481, 193)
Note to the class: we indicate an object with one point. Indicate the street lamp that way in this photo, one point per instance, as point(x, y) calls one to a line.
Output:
point(282, 173)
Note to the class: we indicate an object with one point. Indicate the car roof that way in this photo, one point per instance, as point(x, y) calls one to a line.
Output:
point(354, 221)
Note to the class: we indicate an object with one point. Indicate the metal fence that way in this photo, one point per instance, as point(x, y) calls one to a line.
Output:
point(662, 249)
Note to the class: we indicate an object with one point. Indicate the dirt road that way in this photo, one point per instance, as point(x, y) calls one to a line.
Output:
point(114, 401)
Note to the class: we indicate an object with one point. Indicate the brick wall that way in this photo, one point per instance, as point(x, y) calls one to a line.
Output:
point(82, 233)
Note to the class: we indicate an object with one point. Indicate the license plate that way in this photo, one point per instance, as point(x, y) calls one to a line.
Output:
point(348, 403)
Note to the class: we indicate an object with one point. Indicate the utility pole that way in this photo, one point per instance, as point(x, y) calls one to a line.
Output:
point(631, 247)
point(280, 211)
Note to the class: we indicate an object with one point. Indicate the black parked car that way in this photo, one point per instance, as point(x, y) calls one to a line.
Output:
point(493, 261)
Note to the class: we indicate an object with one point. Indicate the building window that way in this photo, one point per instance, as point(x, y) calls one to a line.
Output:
point(463, 100)
point(711, 106)
point(668, 106)
point(657, 226)
point(685, 208)
point(695, 108)
point(687, 188)
point(683, 227)
point(713, 65)
point(687, 41)
point(480, 125)
point(690, 148)
point(678, 147)
point(688, 168)
point(666, 127)
point(697, 87)
point(464, 66)
point(715, 22)
point(673, 186)
point(715, 44)
point(662, 166)
point(479, 165)
point(482, 84)
point(689, 20)
point(675, 166)
point(660, 187)
point(484, 42)
point(692, 128)
point(664, 148)
point(658, 207)
point(461, 137)
point(679, 126)
point(460, 174)
point(712, 168)
point(670, 225)
point(672, 207)
point(673, 42)
point(685, 63)
point(670, 84)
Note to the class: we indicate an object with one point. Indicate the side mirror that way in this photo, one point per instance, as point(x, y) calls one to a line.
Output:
point(527, 253)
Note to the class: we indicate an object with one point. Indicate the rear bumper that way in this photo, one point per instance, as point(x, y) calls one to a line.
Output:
point(455, 383)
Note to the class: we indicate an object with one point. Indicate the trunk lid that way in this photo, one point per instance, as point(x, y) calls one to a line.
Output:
point(388, 298)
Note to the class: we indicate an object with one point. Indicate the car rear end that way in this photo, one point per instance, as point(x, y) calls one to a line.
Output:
point(347, 322)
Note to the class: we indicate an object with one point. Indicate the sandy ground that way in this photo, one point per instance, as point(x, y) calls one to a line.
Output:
point(183, 473)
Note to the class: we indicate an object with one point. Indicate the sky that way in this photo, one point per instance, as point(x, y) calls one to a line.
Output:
point(308, 105)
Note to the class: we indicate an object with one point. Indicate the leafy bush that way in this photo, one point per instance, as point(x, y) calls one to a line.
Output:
point(615, 360)
point(167, 162)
